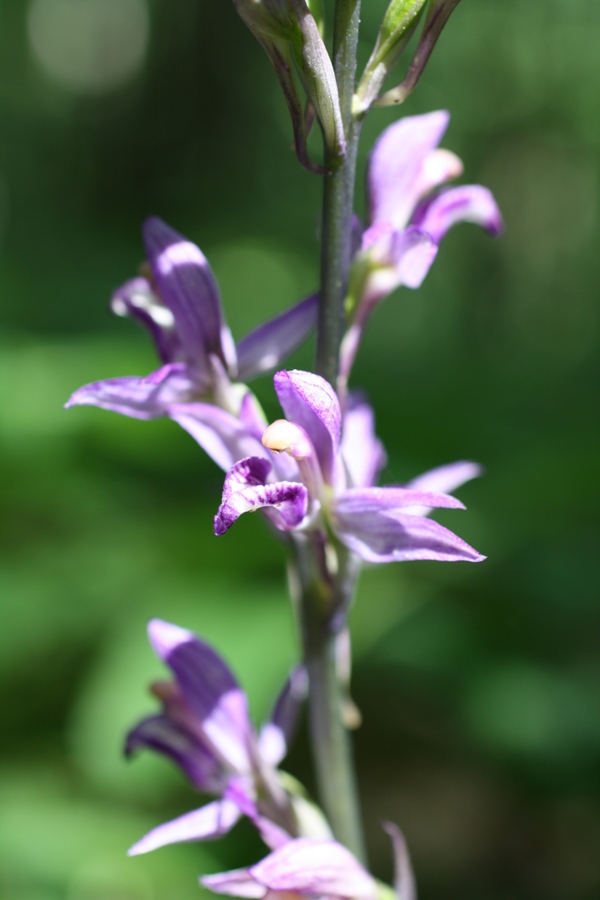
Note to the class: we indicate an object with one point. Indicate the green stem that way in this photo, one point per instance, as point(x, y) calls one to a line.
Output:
point(332, 752)
point(338, 197)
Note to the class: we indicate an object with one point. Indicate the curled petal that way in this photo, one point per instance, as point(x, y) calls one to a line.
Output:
point(362, 450)
point(276, 734)
point(196, 760)
point(468, 203)
point(390, 536)
point(315, 867)
point(204, 824)
point(267, 346)
point(225, 438)
point(395, 164)
point(187, 285)
point(310, 401)
point(217, 703)
point(286, 500)
point(404, 879)
point(145, 397)
point(137, 300)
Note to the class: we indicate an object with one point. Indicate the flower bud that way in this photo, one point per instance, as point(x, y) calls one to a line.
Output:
point(437, 15)
point(291, 36)
point(397, 28)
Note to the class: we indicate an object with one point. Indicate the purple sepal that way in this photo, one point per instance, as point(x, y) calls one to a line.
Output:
point(467, 203)
point(162, 734)
point(310, 401)
point(204, 824)
point(390, 536)
point(267, 346)
point(317, 868)
point(359, 501)
point(209, 689)
point(187, 285)
point(225, 438)
point(276, 734)
point(404, 879)
point(146, 397)
point(246, 490)
point(236, 883)
point(443, 480)
point(395, 165)
point(273, 835)
point(363, 452)
point(137, 300)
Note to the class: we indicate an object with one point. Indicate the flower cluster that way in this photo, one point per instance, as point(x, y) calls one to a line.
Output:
point(313, 474)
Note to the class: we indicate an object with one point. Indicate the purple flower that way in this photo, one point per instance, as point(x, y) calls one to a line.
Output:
point(408, 216)
point(179, 305)
point(309, 867)
point(205, 729)
point(334, 484)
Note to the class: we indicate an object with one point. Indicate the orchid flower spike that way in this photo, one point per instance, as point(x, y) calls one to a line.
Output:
point(178, 303)
point(332, 489)
point(309, 868)
point(408, 217)
point(205, 729)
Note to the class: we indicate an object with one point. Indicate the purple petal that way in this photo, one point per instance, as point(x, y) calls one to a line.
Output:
point(404, 258)
point(218, 704)
point(445, 479)
point(187, 285)
point(225, 438)
point(315, 867)
point(362, 450)
point(265, 348)
point(468, 203)
point(252, 415)
point(357, 501)
point(205, 824)
point(310, 401)
point(288, 499)
point(198, 763)
point(395, 165)
point(404, 879)
point(276, 734)
point(137, 300)
point(273, 835)
point(246, 473)
point(145, 397)
point(397, 537)
point(236, 883)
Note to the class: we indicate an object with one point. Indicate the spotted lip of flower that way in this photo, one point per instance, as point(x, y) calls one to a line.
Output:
point(179, 305)
point(409, 214)
point(205, 729)
point(379, 524)
point(309, 867)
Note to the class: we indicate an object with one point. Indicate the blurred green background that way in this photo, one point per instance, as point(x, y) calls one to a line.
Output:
point(479, 685)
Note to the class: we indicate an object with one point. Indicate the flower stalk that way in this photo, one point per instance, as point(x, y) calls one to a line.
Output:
point(332, 752)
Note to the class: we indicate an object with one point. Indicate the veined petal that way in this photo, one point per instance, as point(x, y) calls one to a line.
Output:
point(393, 175)
point(275, 735)
point(287, 501)
point(390, 536)
point(310, 401)
point(357, 501)
point(197, 762)
point(236, 883)
point(315, 867)
point(187, 285)
point(246, 473)
point(265, 348)
point(137, 300)
point(145, 397)
point(225, 438)
point(204, 824)
point(362, 450)
point(467, 203)
point(404, 879)
point(218, 704)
